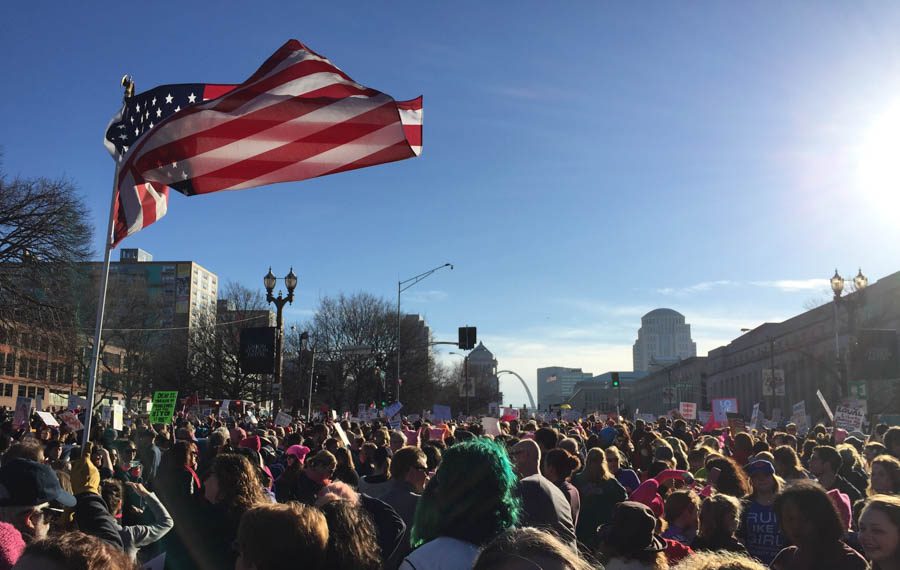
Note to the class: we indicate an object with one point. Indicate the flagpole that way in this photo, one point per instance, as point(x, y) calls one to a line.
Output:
point(128, 84)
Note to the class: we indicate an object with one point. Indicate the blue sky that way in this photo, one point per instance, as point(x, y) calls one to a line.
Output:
point(582, 166)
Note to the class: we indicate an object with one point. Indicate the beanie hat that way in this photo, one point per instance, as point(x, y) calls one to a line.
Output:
point(253, 442)
point(298, 451)
point(11, 546)
point(237, 434)
point(647, 494)
point(842, 503)
point(608, 436)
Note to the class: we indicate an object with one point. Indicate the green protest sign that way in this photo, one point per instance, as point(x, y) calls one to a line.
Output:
point(163, 407)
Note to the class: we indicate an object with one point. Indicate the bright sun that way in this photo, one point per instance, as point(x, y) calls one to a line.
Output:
point(879, 161)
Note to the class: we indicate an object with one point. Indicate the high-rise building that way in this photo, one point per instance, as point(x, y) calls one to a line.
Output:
point(556, 384)
point(483, 375)
point(663, 338)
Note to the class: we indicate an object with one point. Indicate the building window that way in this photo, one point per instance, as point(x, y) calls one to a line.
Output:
point(23, 368)
point(10, 364)
point(21, 390)
point(32, 391)
point(8, 390)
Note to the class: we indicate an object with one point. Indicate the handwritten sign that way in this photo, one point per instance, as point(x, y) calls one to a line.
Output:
point(850, 415)
point(282, 419)
point(688, 410)
point(440, 412)
point(164, 402)
point(117, 414)
point(71, 421)
point(76, 402)
point(23, 412)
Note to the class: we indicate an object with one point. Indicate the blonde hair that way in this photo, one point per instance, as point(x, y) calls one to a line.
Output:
point(596, 469)
point(721, 560)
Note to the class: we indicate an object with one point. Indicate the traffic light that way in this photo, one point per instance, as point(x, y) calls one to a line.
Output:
point(467, 338)
point(615, 379)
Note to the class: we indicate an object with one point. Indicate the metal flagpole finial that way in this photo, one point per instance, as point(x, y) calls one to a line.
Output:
point(128, 84)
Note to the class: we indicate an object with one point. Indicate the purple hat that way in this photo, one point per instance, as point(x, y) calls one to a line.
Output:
point(759, 466)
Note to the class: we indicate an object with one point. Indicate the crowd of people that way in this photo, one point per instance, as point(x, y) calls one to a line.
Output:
point(219, 493)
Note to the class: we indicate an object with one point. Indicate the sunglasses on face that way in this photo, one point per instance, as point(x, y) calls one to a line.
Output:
point(420, 467)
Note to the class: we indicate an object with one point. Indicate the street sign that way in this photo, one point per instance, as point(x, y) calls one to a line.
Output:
point(858, 389)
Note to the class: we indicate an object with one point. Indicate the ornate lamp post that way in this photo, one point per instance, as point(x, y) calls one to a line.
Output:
point(860, 282)
point(290, 282)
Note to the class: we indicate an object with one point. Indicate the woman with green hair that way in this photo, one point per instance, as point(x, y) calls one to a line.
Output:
point(470, 500)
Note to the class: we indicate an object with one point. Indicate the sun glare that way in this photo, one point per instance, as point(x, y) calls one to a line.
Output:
point(879, 161)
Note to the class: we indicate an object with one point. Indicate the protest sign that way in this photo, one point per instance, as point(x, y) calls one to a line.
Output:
point(413, 417)
point(509, 414)
point(441, 413)
point(48, 419)
point(688, 410)
point(491, 426)
point(71, 421)
point(736, 423)
point(825, 405)
point(117, 414)
point(754, 418)
point(106, 413)
point(703, 416)
point(157, 563)
point(798, 416)
point(223, 409)
point(342, 435)
point(393, 409)
point(721, 407)
point(850, 415)
point(252, 418)
point(282, 419)
point(23, 412)
point(76, 402)
point(163, 406)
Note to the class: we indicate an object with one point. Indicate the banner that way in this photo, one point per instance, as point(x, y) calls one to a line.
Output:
point(224, 411)
point(163, 410)
point(441, 413)
point(798, 416)
point(773, 386)
point(257, 352)
point(393, 409)
point(754, 418)
point(22, 417)
point(688, 410)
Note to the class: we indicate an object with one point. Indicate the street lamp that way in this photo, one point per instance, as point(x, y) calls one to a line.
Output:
point(290, 282)
point(401, 287)
point(860, 282)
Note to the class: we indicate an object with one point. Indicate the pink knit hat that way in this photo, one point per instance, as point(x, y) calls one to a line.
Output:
point(647, 494)
point(298, 451)
point(11, 546)
point(253, 442)
point(842, 502)
point(237, 434)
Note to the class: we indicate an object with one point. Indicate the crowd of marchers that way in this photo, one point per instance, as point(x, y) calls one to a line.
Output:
point(219, 493)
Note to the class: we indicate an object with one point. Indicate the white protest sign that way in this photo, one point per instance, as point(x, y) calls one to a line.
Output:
point(850, 415)
point(48, 419)
point(754, 418)
point(688, 410)
point(491, 426)
point(798, 416)
point(117, 414)
point(106, 413)
point(282, 419)
point(342, 435)
point(825, 405)
point(223, 409)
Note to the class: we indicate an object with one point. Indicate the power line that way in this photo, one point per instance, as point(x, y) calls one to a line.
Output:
point(183, 328)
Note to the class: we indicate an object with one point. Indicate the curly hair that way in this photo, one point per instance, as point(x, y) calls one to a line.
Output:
point(352, 540)
point(471, 497)
point(733, 480)
point(531, 544)
point(79, 551)
point(239, 486)
point(891, 466)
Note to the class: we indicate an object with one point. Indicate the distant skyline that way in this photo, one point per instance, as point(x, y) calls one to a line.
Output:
point(581, 166)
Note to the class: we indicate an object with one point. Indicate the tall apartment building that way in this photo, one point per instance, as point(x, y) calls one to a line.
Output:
point(664, 338)
point(556, 384)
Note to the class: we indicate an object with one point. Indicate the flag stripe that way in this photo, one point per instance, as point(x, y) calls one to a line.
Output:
point(297, 117)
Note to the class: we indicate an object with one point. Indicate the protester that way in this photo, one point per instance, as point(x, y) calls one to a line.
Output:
point(879, 531)
point(345, 470)
point(720, 516)
point(305, 483)
point(720, 560)
point(759, 529)
point(630, 541)
point(558, 467)
point(787, 464)
point(732, 479)
point(470, 500)
point(825, 463)
point(73, 550)
point(134, 537)
point(885, 479)
point(682, 515)
point(811, 524)
point(528, 549)
point(377, 482)
point(352, 540)
point(599, 493)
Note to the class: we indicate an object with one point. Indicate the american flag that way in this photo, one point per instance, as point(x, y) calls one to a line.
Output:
point(297, 117)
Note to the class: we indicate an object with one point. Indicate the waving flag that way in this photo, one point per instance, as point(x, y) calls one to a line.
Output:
point(297, 117)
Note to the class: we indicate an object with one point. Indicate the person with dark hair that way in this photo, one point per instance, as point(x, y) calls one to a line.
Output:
point(279, 537)
point(546, 438)
point(879, 531)
point(732, 478)
point(409, 475)
point(73, 550)
point(527, 549)
point(811, 524)
point(885, 479)
point(630, 540)
point(134, 537)
point(682, 513)
point(352, 541)
point(891, 441)
point(470, 500)
point(720, 515)
point(345, 470)
point(315, 474)
point(558, 467)
point(787, 464)
point(825, 463)
point(377, 482)
point(759, 528)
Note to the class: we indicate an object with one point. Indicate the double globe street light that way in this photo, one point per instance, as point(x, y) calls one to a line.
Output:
point(290, 283)
point(860, 282)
